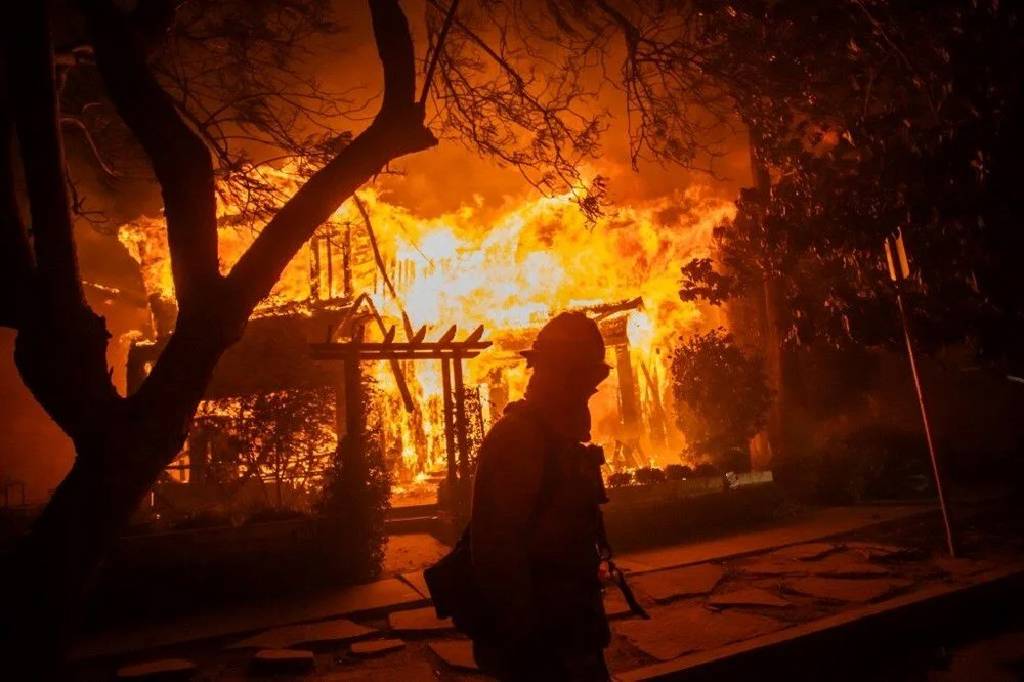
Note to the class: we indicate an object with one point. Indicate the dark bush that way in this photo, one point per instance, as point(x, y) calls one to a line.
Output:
point(200, 519)
point(722, 396)
point(274, 514)
point(649, 476)
point(706, 469)
point(677, 472)
point(620, 479)
point(874, 463)
point(357, 496)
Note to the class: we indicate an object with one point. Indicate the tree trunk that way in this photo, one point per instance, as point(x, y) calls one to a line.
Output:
point(58, 560)
point(122, 444)
point(770, 307)
point(119, 455)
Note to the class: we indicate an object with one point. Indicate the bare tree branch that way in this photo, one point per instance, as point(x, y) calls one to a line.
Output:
point(79, 125)
point(435, 53)
point(396, 131)
point(180, 159)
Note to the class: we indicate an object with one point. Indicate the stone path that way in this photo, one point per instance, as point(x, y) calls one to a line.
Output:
point(751, 596)
point(409, 590)
point(277, 661)
point(672, 632)
point(697, 608)
point(163, 669)
point(664, 586)
point(376, 647)
point(815, 526)
point(836, 589)
point(328, 632)
point(419, 621)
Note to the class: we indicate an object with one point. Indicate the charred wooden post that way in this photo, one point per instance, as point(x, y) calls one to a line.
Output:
point(462, 433)
point(314, 268)
point(449, 424)
point(330, 264)
point(346, 261)
point(614, 332)
point(353, 395)
point(658, 421)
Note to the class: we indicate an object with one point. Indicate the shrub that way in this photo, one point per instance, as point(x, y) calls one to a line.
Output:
point(356, 499)
point(706, 470)
point(721, 395)
point(677, 472)
point(873, 463)
point(620, 479)
point(649, 475)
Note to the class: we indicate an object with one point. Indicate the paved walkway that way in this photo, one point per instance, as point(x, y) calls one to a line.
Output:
point(703, 596)
point(816, 525)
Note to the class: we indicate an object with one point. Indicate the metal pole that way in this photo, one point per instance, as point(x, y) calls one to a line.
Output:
point(927, 428)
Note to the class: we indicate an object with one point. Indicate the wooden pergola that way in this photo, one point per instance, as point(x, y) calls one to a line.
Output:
point(449, 351)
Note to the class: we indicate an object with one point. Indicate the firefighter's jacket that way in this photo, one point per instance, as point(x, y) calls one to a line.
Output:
point(534, 531)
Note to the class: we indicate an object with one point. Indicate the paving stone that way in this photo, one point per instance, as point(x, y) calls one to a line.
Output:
point(327, 632)
point(419, 671)
point(836, 589)
point(418, 620)
point(881, 552)
point(847, 565)
point(163, 669)
point(456, 653)
point(615, 604)
point(961, 568)
point(811, 551)
point(680, 582)
point(674, 631)
point(629, 566)
point(283, 661)
point(418, 582)
point(776, 567)
point(389, 593)
point(376, 647)
point(753, 596)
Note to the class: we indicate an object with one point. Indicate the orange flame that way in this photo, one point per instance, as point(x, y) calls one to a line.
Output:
point(510, 273)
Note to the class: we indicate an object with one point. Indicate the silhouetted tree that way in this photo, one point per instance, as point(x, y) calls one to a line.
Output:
point(868, 118)
point(123, 443)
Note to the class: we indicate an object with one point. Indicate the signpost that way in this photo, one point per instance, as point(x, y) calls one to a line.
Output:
point(899, 272)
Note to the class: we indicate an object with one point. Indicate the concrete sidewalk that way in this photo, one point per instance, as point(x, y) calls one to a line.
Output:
point(408, 591)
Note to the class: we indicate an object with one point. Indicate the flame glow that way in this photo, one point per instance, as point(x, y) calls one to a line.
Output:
point(510, 273)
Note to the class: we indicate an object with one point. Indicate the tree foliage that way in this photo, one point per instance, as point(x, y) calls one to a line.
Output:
point(874, 117)
point(282, 436)
point(720, 392)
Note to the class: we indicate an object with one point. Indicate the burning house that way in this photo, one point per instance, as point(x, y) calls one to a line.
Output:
point(383, 290)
